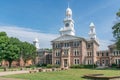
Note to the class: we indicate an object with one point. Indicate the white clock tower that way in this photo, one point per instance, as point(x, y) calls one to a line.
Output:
point(36, 43)
point(92, 33)
point(68, 24)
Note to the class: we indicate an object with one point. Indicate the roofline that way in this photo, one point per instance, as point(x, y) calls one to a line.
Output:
point(70, 35)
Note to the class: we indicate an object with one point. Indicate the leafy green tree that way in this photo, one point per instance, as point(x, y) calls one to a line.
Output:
point(116, 30)
point(3, 43)
point(28, 51)
point(12, 50)
point(3, 34)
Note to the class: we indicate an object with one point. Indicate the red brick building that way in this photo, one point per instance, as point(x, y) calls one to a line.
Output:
point(69, 49)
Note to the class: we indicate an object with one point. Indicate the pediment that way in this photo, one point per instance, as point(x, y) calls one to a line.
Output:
point(66, 38)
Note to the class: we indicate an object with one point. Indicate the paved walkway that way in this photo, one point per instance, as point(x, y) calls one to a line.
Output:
point(10, 73)
point(10, 79)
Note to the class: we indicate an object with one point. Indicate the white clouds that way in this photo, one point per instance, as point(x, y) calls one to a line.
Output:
point(104, 44)
point(29, 35)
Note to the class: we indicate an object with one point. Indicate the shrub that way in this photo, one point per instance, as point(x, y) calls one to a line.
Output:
point(90, 66)
point(77, 66)
point(114, 65)
point(83, 66)
point(49, 66)
point(56, 66)
point(44, 65)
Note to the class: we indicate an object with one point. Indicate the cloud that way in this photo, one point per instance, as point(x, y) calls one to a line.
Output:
point(104, 44)
point(26, 34)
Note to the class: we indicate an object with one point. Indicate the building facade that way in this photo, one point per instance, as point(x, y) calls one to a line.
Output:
point(44, 56)
point(69, 49)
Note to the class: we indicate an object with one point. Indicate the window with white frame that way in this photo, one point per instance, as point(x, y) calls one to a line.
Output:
point(66, 52)
point(57, 45)
point(57, 62)
point(57, 53)
point(88, 61)
point(76, 61)
point(89, 53)
point(76, 43)
point(116, 53)
point(76, 52)
point(98, 54)
point(66, 44)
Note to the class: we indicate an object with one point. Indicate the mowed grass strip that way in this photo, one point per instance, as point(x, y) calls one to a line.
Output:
point(71, 74)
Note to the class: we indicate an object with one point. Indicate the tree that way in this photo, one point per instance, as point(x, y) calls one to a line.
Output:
point(28, 51)
point(116, 31)
point(3, 43)
point(12, 50)
point(9, 49)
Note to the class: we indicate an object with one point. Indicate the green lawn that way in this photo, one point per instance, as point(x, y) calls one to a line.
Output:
point(71, 74)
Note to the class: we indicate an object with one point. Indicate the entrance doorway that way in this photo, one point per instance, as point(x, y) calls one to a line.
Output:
point(65, 63)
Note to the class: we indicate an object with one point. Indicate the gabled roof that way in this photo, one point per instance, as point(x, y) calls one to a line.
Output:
point(112, 46)
point(93, 41)
point(67, 37)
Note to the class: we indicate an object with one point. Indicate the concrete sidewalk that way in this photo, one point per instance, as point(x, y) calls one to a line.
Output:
point(10, 73)
point(10, 79)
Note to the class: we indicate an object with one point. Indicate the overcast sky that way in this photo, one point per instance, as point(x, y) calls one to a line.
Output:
point(28, 19)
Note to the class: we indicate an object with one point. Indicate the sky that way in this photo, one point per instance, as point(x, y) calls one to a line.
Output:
point(28, 19)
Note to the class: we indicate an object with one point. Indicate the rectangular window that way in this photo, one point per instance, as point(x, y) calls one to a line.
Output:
point(88, 62)
point(66, 52)
point(116, 61)
point(97, 54)
point(107, 62)
point(117, 53)
point(102, 54)
point(107, 54)
point(114, 53)
point(88, 53)
point(76, 52)
point(66, 44)
point(76, 44)
point(76, 61)
point(57, 45)
point(57, 53)
point(57, 62)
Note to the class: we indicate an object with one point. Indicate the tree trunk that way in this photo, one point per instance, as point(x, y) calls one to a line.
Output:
point(25, 63)
point(10, 63)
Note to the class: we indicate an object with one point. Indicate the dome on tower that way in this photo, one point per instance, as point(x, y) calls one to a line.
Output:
point(36, 40)
point(92, 24)
point(68, 12)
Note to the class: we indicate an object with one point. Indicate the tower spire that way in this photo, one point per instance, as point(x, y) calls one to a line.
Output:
point(68, 3)
point(68, 23)
point(36, 43)
point(92, 32)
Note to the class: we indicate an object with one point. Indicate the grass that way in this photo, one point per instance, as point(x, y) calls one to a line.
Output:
point(71, 74)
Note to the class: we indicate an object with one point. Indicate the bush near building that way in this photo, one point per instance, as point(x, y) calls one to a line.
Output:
point(83, 66)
